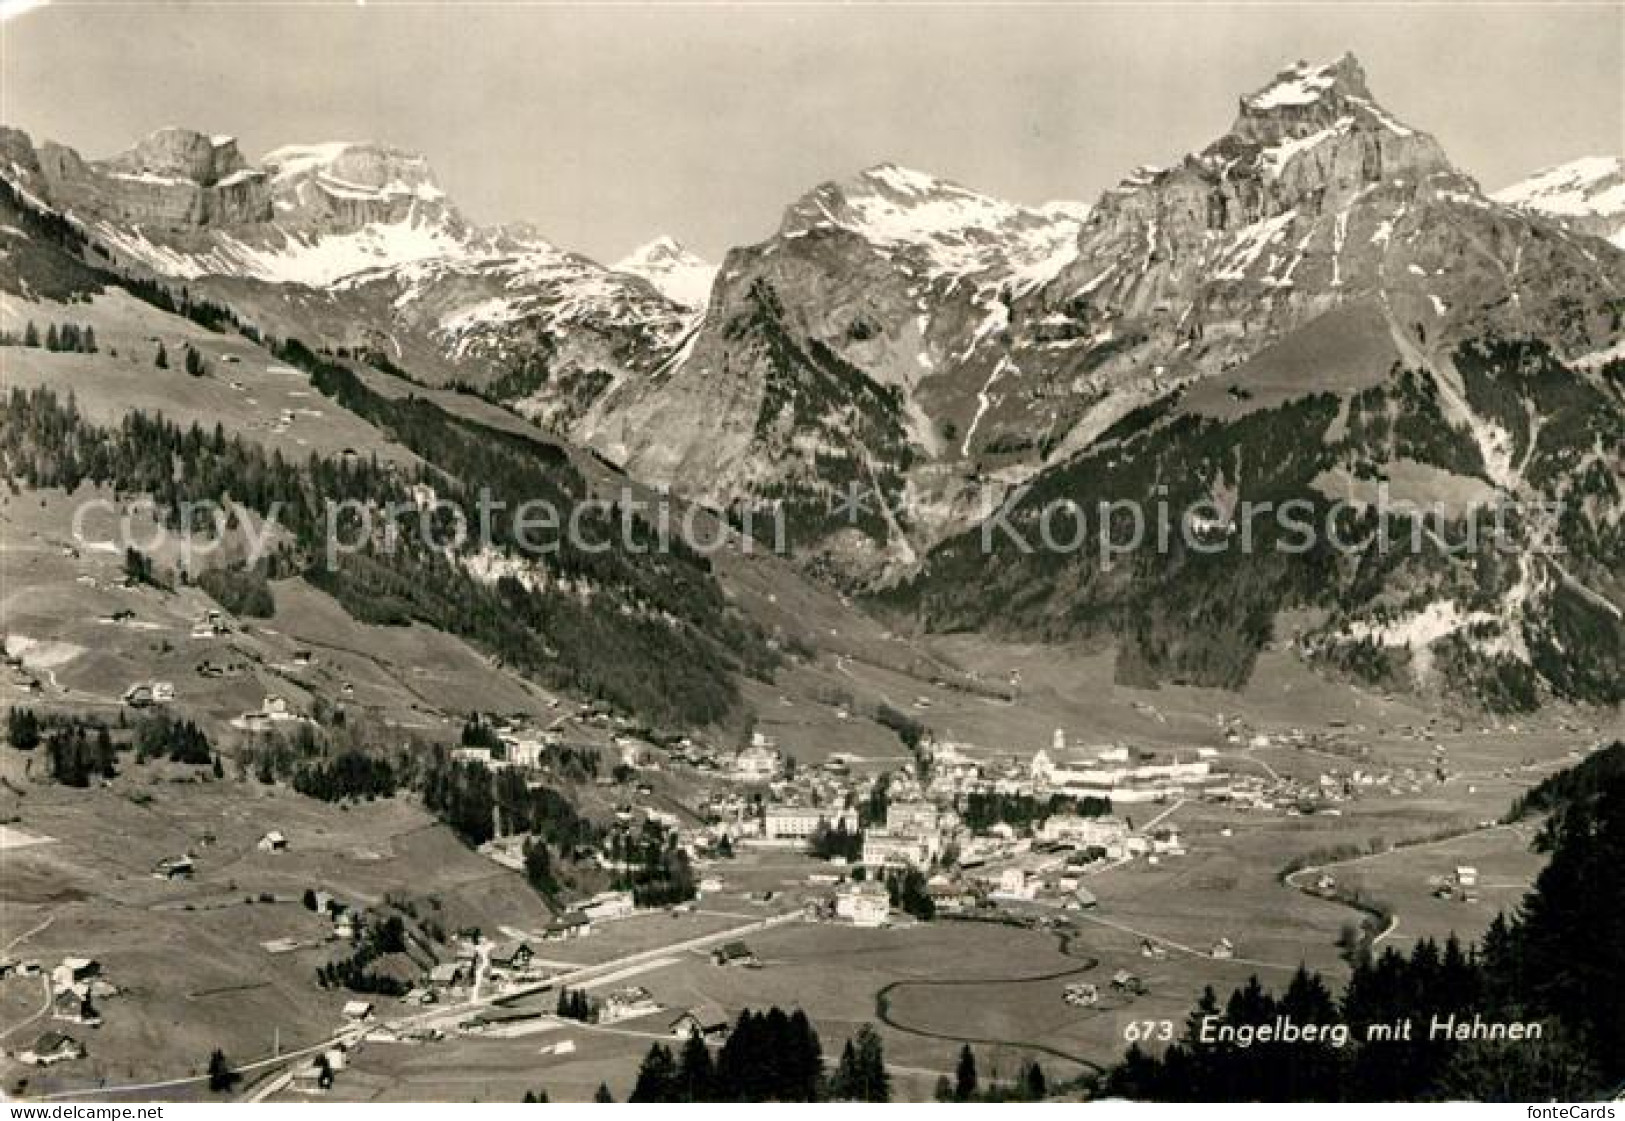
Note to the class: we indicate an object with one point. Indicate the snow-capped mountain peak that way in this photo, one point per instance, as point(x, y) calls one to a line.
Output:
point(679, 275)
point(1588, 193)
point(952, 230)
point(1304, 84)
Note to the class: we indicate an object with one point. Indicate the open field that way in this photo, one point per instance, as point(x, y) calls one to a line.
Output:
point(187, 955)
point(244, 389)
point(62, 596)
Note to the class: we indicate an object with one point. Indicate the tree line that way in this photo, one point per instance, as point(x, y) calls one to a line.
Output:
point(69, 337)
point(768, 1056)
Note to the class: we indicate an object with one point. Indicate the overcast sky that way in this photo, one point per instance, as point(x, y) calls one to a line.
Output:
point(606, 125)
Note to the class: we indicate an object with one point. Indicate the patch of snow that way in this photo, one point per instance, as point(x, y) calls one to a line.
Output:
point(1300, 85)
point(1275, 159)
point(1249, 242)
point(681, 276)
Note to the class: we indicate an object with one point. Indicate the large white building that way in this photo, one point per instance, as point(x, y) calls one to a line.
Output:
point(760, 762)
point(863, 904)
point(882, 848)
point(1108, 833)
point(799, 822)
point(918, 818)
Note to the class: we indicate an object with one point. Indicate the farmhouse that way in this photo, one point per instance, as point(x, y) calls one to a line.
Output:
point(510, 956)
point(50, 1048)
point(571, 924)
point(358, 1010)
point(1124, 981)
point(273, 841)
point(734, 953)
point(175, 868)
point(73, 1005)
point(627, 1004)
point(1466, 876)
point(708, 1021)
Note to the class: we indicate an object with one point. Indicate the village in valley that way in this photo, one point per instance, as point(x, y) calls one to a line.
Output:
point(720, 875)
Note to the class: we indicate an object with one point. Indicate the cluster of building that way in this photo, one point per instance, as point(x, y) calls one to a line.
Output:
point(76, 984)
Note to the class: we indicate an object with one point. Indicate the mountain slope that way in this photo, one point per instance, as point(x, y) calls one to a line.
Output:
point(1344, 319)
point(848, 349)
point(992, 340)
point(1586, 194)
point(354, 245)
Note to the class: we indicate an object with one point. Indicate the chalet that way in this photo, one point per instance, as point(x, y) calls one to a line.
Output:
point(175, 868)
point(510, 956)
point(1223, 950)
point(708, 1021)
point(627, 1004)
point(571, 924)
point(1126, 982)
point(734, 953)
point(273, 841)
point(73, 1005)
point(50, 1048)
point(358, 1010)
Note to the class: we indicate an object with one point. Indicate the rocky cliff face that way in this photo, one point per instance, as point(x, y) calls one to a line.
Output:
point(848, 350)
point(174, 179)
point(991, 341)
point(347, 186)
point(1317, 196)
point(1328, 307)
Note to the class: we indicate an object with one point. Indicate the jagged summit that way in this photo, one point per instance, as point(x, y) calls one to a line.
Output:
point(948, 230)
point(1303, 84)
